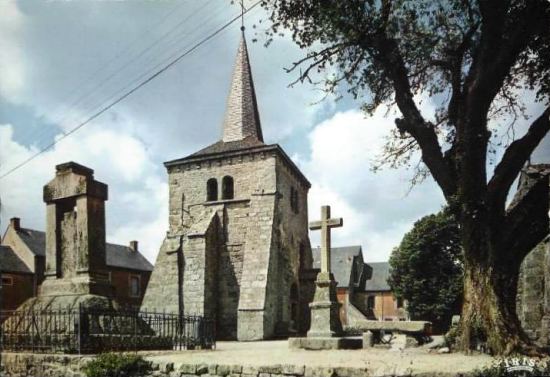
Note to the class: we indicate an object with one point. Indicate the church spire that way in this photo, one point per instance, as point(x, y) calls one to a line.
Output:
point(242, 119)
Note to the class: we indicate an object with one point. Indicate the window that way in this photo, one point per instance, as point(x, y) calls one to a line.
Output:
point(294, 200)
point(399, 303)
point(227, 187)
point(7, 281)
point(135, 286)
point(302, 256)
point(370, 302)
point(212, 190)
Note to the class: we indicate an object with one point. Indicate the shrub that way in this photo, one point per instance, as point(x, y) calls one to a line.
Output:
point(117, 365)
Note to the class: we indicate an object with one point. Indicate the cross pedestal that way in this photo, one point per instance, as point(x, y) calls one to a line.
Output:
point(325, 331)
point(325, 316)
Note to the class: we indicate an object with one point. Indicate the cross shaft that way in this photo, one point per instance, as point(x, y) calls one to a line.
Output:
point(325, 225)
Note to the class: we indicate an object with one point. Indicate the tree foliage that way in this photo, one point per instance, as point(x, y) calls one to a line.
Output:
point(474, 59)
point(426, 270)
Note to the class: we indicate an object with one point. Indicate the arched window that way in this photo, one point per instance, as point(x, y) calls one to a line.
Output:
point(212, 190)
point(227, 187)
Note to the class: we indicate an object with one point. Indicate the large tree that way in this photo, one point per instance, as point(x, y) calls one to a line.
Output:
point(476, 58)
point(426, 270)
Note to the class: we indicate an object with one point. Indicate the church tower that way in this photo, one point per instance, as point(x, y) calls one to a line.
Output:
point(238, 236)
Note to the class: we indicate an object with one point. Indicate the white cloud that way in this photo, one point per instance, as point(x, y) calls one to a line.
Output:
point(138, 193)
point(376, 207)
point(12, 64)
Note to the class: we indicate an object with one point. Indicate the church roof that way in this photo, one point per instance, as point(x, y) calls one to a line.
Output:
point(231, 146)
point(10, 261)
point(242, 119)
point(242, 130)
point(116, 255)
point(379, 280)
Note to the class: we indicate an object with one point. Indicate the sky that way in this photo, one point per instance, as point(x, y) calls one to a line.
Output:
point(63, 61)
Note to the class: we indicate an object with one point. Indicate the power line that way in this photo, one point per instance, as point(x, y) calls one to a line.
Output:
point(140, 76)
point(131, 91)
point(60, 119)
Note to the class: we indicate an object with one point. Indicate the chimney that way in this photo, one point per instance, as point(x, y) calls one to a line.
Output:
point(15, 223)
point(134, 245)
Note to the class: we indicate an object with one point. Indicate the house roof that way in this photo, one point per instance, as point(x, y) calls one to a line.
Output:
point(34, 239)
point(10, 261)
point(380, 275)
point(124, 257)
point(341, 262)
point(116, 255)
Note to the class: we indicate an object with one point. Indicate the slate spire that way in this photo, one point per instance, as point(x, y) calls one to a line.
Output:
point(242, 119)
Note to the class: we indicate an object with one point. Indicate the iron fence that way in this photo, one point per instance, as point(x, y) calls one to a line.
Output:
point(84, 330)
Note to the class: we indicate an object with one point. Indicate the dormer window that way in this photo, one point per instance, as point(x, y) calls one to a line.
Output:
point(212, 190)
point(227, 188)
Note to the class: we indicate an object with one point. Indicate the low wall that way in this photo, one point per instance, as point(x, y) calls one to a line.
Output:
point(36, 365)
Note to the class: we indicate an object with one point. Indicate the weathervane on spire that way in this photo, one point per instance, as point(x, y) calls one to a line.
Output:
point(242, 15)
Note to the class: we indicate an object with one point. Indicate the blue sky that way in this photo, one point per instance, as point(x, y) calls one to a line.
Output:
point(63, 60)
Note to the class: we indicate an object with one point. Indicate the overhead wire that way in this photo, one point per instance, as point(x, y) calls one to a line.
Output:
point(134, 58)
point(131, 91)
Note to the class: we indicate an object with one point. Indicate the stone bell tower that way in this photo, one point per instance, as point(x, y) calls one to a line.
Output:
point(75, 234)
point(237, 244)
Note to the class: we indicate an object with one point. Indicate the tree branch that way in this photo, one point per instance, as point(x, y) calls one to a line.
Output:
point(526, 222)
point(514, 158)
point(413, 123)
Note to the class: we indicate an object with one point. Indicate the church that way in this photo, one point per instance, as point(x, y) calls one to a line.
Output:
point(237, 249)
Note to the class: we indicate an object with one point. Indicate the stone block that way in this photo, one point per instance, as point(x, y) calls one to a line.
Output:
point(400, 326)
point(223, 370)
point(272, 369)
point(250, 370)
point(236, 369)
point(188, 368)
point(202, 369)
point(294, 370)
point(318, 343)
point(319, 372)
point(368, 339)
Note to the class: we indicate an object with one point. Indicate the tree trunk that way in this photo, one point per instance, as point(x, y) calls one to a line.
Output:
point(489, 314)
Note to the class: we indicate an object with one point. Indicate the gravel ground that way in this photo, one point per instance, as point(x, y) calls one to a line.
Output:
point(418, 360)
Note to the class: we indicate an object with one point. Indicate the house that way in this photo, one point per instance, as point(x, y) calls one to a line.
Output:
point(378, 298)
point(18, 281)
point(22, 263)
point(351, 274)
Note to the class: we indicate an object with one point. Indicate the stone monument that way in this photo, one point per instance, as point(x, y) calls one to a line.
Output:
point(75, 242)
point(325, 331)
point(325, 320)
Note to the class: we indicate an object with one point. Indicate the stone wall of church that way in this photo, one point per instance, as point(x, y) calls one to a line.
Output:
point(292, 251)
point(254, 177)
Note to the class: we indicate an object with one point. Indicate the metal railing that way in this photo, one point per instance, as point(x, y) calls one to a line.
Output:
point(84, 330)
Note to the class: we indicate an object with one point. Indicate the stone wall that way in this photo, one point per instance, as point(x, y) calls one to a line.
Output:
point(245, 275)
point(294, 250)
point(28, 365)
point(531, 290)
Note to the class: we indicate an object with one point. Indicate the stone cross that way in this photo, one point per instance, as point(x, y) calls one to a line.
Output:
point(325, 224)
